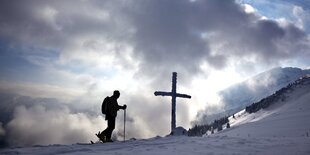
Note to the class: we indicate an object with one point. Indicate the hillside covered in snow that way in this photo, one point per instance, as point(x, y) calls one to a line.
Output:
point(280, 128)
point(285, 113)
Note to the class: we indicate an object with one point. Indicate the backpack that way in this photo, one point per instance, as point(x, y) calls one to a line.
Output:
point(104, 106)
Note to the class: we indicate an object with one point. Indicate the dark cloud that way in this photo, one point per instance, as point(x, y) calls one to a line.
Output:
point(165, 34)
point(2, 131)
point(169, 36)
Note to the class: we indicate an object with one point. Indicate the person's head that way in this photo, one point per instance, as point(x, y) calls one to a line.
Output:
point(116, 94)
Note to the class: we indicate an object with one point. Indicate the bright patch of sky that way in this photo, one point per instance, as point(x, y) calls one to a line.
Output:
point(295, 11)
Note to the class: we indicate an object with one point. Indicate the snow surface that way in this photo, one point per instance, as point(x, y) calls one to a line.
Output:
point(180, 145)
point(283, 128)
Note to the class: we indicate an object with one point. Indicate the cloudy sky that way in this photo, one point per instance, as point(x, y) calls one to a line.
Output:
point(59, 59)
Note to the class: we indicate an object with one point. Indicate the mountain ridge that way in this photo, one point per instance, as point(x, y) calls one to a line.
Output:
point(261, 85)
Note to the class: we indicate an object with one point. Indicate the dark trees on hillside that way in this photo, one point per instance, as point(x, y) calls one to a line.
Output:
point(227, 125)
point(199, 130)
point(277, 96)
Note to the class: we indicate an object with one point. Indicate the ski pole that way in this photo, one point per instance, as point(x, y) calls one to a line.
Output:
point(124, 123)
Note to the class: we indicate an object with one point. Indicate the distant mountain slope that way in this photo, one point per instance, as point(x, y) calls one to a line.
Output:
point(238, 96)
point(252, 90)
point(287, 114)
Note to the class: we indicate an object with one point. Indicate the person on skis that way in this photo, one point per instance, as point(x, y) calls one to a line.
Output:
point(110, 116)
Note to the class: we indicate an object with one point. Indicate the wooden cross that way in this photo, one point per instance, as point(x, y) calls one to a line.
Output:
point(173, 95)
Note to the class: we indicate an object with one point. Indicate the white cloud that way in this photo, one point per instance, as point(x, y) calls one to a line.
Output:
point(248, 8)
point(48, 15)
point(135, 39)
point(40, 90)
point(299, 14)
point(37, 125)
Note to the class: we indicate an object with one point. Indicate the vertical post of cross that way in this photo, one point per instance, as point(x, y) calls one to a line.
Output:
point(173, 100)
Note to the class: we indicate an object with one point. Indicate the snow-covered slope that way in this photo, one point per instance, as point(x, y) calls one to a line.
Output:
point(282, 128)
point(286, 117)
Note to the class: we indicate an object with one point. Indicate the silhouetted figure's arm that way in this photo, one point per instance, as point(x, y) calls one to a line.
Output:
point(122, 107)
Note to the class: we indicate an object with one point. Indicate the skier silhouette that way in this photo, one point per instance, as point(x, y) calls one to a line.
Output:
point(110, 116)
